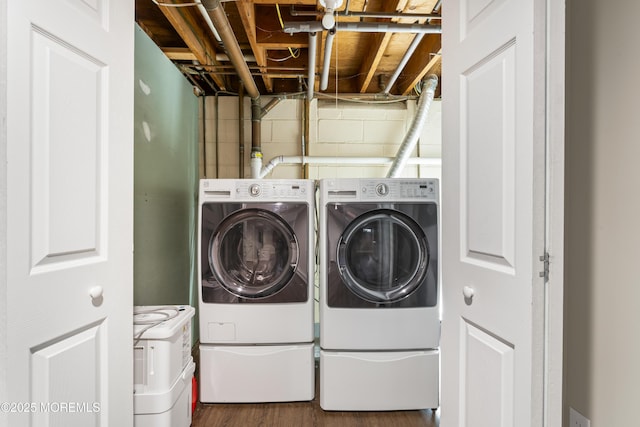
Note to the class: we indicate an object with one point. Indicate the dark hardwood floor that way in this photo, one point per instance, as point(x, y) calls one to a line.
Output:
point(303, 414)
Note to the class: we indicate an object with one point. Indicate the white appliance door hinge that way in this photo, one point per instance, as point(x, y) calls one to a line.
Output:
point(545, 266)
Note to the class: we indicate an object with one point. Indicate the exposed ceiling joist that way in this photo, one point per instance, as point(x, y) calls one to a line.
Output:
point(179, 54)
point(369, 49)
point(246, 9)
point(379, 43)
point(188, 23)
point(418, 72)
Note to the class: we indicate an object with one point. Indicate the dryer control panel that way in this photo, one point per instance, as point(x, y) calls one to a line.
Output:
point(398, 189)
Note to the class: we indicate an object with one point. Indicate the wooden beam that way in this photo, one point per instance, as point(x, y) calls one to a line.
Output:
point(293, 2)
point(371, 60)
point(179, 53)
point(246, 10)
point(378, 43)
point(418, 66)
point(190, 25)
point(427, 59)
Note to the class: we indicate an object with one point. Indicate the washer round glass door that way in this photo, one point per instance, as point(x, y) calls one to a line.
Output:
point(383, 256)
point(253, 253)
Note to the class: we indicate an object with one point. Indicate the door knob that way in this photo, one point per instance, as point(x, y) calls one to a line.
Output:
point(96, 292)
point(468, 292)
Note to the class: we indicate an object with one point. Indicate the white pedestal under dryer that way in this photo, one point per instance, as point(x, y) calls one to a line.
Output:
point(379, 302)
point(256, 240)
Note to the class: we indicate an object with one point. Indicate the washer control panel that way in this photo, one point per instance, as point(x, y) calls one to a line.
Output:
point(271, 190)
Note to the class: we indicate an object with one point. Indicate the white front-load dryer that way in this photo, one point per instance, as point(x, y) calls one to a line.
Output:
point(379, 302)
point(256, 299)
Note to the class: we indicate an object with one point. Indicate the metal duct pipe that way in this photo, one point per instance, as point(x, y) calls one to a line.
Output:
point(257, 113)
point(223, 57)
point(324, 160)
point(219, 19)
point(411, 138)
point(328, 45)
point(272, 103)
point(207, 19)
point(412, 47)
point(221, 23)
point(363, 27)
point(312, 65)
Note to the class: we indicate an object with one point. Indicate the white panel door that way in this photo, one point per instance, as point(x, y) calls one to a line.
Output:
point(69, 212)
point(493, 212)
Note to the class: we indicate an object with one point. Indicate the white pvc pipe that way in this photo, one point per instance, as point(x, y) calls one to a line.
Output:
point(328, 45)
point(362, 27)
point(207, 19)
point(412, 47)
point(327, 160)
point(312, 66)
point(256, 167)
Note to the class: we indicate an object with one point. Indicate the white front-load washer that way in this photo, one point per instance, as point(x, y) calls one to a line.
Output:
point(256, 240)
point(379, 302)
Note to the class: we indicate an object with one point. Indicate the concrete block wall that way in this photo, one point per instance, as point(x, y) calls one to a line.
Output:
point(358, 130)
point(282, 131)
point(343, 129)
point(219, 137)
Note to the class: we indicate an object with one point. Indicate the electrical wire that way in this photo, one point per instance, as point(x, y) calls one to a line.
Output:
point(270, 32)
point(285, 58)
point(150, 323)
point(197, 3)
point(418, 88)
point(282, 25)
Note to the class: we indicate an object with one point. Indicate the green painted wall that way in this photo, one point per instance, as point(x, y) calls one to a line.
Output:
point(165, 179)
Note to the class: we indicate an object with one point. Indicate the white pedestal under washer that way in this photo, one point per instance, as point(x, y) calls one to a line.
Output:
point(256, 240)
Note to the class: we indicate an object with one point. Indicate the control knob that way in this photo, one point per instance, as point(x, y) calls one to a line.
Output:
point(382, 189)
point(254, 190)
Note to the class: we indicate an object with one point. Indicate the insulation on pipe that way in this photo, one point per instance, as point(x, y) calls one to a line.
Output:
point(328, 45)
point(363, 27)
point(312, 65)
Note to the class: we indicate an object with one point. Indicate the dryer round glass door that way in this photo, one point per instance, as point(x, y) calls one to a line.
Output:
point(253, 253)
point(383, 256)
